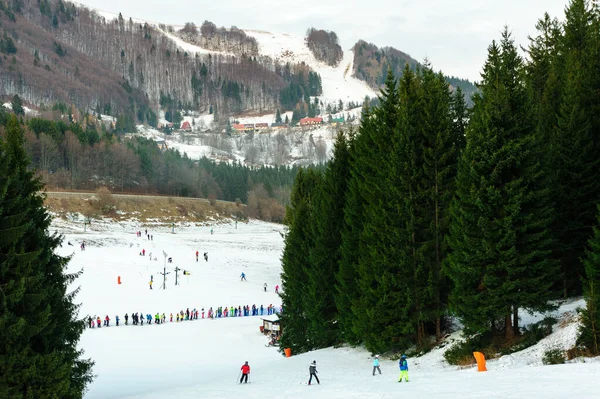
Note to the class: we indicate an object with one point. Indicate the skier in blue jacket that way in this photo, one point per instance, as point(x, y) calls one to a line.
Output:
point(403, 364)
point(376, 364)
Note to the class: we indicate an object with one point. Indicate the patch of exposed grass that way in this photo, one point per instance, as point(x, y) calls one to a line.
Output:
point(142, 208)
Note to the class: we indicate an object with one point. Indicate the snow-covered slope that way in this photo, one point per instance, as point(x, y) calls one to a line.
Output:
point(337, 82)
point(202, 358)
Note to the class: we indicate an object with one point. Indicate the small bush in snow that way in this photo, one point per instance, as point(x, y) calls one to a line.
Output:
point(554, 356)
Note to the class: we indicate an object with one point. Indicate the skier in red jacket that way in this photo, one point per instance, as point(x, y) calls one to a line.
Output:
point(245, 372)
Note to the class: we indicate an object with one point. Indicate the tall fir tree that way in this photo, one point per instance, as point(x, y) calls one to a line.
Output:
point(382, 310)
point(298, 241)
point(500, 235)
point(346, 287)
point(574, 146)
point(442, 143)
point(39, 330)
point(324, 258)
point(590, 316)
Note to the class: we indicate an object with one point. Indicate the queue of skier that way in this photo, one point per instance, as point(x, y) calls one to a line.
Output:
point(194, 314)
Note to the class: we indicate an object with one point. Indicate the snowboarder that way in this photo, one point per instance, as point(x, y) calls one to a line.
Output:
point(197, 253)
point(242, 277)
point(376, 364)
point(403, 364)
point(245, 371)
point(265, 287)
point(206, 256)
point(312, 369)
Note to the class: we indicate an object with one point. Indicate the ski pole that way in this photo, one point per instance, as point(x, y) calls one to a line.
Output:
point(238, 377)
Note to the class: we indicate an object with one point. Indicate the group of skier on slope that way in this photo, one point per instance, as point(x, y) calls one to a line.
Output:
point(194, 314)
point(312, 370)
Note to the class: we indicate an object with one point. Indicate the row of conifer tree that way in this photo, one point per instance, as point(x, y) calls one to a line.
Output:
point(432, 210)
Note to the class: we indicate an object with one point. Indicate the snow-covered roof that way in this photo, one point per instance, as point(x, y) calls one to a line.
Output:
point(272, 318)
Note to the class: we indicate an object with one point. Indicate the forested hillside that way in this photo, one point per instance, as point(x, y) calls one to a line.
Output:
point(430, 214)
point(68, 156)
point(57, 52)
point(371, 64)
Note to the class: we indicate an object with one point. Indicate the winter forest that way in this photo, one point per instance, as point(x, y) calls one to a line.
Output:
point(432, 211)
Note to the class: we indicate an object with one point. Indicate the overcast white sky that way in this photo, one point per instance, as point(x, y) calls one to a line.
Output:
point(454, 35)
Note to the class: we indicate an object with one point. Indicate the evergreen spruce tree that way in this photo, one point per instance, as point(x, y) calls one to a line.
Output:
point(347, 291)
point(17, 105)
point(325, 255)
point(590, 316)
point(499, 234)
point(38, 326)
point(574, 148)
point(298, 243)
point(278, 116)
point(442, 128)
point(381, 312)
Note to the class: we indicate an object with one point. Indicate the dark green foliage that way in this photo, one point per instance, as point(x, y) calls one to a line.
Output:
point(302, 85)
point(59, 50)
point(39, 329)
point(196, 87)
point(17, 105)
point(298, 242)
point(3, 115)
point(7, 45)
point(278, 116)
point(500, 218)
point(554, 356)
point(324, 256)
point(574, 144)
point(590, 316)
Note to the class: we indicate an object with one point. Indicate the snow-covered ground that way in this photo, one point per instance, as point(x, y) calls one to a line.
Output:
point(202, 358)
point(337, 82)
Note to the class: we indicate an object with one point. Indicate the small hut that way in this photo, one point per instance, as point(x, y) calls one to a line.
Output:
point(270, 325)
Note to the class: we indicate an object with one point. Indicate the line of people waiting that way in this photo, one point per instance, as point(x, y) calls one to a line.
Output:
point(194, 314)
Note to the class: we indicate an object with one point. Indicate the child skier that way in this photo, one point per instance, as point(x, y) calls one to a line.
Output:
point(403, 364)
point(245, 371)
point(117, 320)
point(312, 369)
point(376, 364)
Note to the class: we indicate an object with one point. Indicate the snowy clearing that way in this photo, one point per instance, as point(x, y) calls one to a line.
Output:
point(202, 358)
